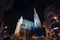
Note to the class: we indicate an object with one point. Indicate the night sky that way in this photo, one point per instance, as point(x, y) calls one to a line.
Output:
point(25, 8)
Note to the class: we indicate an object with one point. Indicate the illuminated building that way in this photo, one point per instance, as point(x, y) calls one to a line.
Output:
point(24, 25)
point(28, 23)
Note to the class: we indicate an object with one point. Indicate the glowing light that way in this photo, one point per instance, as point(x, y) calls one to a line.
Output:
point(34, 37)
point(55, 28)
point(55, 17)
point(5, 27)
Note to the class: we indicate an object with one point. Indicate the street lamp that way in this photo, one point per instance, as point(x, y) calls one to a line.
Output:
point(55, 17)
point(5, 27)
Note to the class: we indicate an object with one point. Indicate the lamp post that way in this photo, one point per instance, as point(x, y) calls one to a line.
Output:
point(56, 18)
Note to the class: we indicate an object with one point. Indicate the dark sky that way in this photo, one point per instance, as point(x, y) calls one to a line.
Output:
point(21, 8)
point(25, 8)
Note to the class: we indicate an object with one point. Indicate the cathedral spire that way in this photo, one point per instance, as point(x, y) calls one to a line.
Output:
point(37, 22)
point(18, 26)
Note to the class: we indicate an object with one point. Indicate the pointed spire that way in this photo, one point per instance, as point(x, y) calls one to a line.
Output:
point(21, 19)
point(35, 11)
point(18, 26)
point(37, 22)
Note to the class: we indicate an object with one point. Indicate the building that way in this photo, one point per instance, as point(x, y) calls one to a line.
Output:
point(51, 15)
point(51, 18)
point(25, 26)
